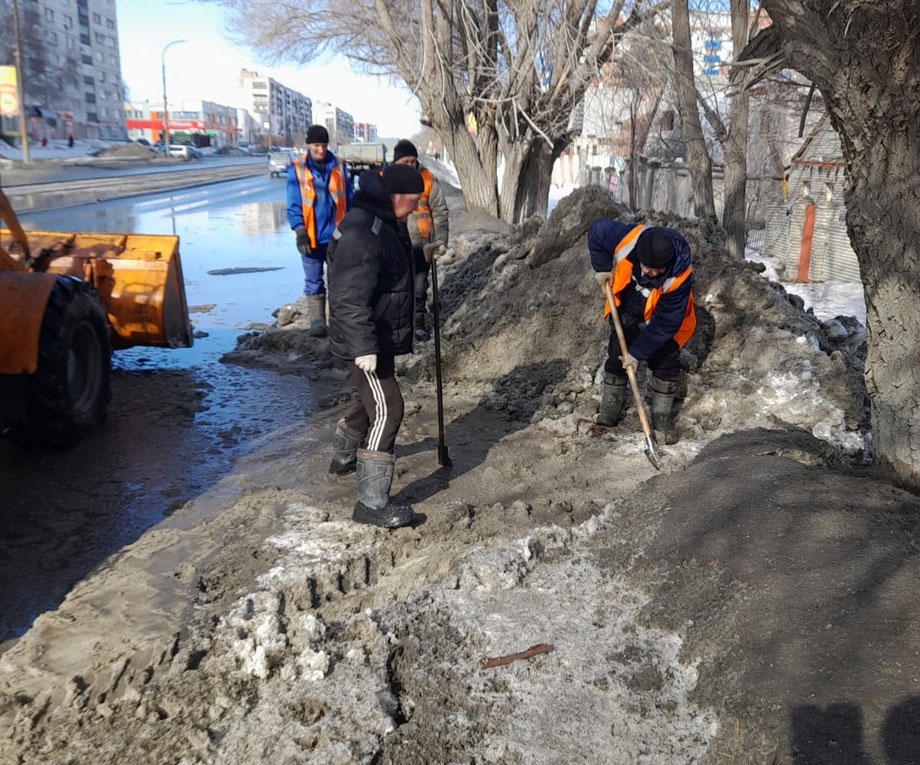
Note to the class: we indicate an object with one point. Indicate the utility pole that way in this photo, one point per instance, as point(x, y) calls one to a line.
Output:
point(165, 102)
point(20, 85)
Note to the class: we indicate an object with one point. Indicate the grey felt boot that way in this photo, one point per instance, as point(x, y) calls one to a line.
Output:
point(316, 308)
point(661, 406)
point(344, 450)
point(613, 397)
point(375, 474)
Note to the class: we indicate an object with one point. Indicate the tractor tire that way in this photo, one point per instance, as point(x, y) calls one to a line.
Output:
point(68, 393)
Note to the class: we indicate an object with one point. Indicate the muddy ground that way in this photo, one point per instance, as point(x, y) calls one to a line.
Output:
point(753, 602)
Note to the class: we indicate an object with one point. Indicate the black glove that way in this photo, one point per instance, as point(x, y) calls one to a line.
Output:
point(303, 241)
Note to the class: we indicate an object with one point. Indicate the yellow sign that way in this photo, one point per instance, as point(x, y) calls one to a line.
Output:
point(9, 98)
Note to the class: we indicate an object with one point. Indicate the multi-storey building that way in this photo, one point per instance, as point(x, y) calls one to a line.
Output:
point(189, 120)
point(339, 123)
point(365, 132)
point(72, 74)
point(283, 114)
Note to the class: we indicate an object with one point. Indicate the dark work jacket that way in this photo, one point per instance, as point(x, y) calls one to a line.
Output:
point(603, 237)
point(370, 278)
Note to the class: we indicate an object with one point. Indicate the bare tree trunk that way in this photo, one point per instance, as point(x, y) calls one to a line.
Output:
point(734, 147)
point(882, 219)
point(526, 180)
point(632, 154)
point(477, 166)
point(697, 157)
point(874, 104)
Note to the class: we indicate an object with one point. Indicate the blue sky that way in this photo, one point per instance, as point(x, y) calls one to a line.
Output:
point(207, 65)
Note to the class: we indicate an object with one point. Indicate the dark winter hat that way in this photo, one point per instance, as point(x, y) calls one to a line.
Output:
point(404, 148)
point(317, 134)
point(402, 179)
point(655, 248)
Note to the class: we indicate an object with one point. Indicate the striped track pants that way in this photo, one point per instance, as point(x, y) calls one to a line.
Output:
point(378, 411)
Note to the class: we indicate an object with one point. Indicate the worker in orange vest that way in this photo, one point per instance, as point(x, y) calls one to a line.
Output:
point(319, 194)
point(649, 271)
point(427, 224)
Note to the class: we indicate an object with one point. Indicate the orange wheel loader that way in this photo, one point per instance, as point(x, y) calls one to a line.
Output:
point(66, 301)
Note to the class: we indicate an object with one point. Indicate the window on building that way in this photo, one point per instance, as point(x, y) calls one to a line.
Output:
point(113, 60)
point(90, 98)
point(100, 56)
point(50, 36)
point(97, 18)
point(110, 24)
point(88, 80)
point(49, 14)
point(99, 37)
point(86, 59)
point(68, 41)
point(68, 22)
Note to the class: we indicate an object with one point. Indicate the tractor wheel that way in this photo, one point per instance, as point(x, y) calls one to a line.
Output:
point(68, 393)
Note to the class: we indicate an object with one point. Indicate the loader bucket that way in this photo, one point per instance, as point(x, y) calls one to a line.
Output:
point(138, 278)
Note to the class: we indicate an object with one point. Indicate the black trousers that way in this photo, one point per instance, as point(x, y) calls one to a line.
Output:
point(378, 412)
point(664, 363)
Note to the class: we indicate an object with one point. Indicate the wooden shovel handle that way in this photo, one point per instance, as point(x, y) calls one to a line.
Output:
point(630, 372)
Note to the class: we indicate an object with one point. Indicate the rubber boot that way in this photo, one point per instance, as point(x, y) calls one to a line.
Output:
point(316, 308)
point(375, 474)
point(421, 294)
point(612, 399)
point(661, 409)
point(344, 450)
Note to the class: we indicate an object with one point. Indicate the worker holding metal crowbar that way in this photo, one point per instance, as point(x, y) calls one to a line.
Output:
point(646, 276)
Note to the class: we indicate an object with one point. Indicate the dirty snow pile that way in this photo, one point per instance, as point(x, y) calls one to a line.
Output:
point(521, 299)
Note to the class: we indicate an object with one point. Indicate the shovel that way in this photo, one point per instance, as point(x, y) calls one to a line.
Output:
point(651, 445)
point(443, 458)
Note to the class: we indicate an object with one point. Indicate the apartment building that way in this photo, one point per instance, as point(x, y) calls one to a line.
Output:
point(339, 123)
point(73, 82)
point(365, 132)
point(201, 122)
point(283, 114)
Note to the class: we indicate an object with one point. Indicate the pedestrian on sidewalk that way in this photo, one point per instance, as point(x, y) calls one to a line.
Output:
point(650, 274)
point(370, 323)
point(318, 196)
point(70, 140)
point(428, 223)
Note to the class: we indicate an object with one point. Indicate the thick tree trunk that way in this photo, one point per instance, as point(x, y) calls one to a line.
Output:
point(697, 157)
point(526, 180)
point(477, 165)
point(734, 211)
point(883, 220)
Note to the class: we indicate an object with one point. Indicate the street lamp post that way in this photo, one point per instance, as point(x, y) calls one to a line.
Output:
point(165, 102)
point(20, 85)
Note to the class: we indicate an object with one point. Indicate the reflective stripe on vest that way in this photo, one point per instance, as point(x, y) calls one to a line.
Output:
point(622, 275)
point(337, 191)
point(422, 213)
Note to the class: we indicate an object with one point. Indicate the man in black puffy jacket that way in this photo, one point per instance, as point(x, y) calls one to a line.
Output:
point(370, 323)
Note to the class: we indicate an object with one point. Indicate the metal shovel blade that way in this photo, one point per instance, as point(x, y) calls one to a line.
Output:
point(652, 451)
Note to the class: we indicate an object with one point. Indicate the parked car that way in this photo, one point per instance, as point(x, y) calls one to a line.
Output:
point(142, 141)
point(279, 162)
point(186, 152)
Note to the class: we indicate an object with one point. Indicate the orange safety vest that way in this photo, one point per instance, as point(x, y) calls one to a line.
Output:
point(422, 213)
point(622, 275)
point(308, 195)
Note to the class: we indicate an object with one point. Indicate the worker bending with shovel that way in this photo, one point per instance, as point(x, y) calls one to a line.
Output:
point(370, 323)
point(648, 273)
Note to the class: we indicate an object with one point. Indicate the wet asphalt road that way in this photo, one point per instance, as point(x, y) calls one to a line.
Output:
point(52, 172)
point(178, 418)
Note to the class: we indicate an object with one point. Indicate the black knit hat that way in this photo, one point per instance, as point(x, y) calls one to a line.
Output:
point(317, 134)
point(655, 248)
point(402, 179)
point(404, 148)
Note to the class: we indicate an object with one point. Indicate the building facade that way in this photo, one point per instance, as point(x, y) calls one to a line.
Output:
point(365, 132)
point(203, 123)
point(282, 113)
point(339, 123)
point(73, 83)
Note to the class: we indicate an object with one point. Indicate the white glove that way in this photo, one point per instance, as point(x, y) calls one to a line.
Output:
point(629, 361)
point(367, 363)
point(604, 278)
point(433, 250)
